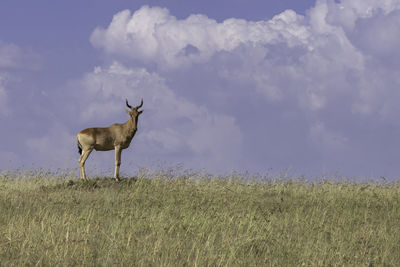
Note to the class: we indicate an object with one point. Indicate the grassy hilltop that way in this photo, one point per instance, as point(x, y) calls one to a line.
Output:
point(168, 219)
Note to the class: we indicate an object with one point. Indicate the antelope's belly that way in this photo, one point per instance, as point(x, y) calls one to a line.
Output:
point(103, 148)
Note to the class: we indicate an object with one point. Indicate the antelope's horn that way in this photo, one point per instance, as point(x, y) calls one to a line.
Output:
point(141, 104)
point(129, 106)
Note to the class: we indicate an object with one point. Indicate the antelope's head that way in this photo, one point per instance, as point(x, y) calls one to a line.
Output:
point(134, 112)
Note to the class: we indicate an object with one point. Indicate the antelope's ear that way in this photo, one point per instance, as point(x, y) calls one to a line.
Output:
point(140, 112)
point(128, 111)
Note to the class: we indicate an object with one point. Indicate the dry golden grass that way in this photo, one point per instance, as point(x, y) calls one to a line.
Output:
point(192, 219)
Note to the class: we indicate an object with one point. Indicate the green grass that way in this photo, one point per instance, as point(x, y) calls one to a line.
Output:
point(166, 219)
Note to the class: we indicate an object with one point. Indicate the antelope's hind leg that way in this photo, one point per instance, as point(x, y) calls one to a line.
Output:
point(82, 160)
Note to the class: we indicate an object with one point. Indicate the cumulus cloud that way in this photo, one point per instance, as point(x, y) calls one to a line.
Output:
point(314, 93)
point(14, 57)
point(171, 127)
point(154, 35)
point(17, 66)
point(9, 53)
point(301, 91)
point(316, 46)
point(54, 148)
point(3, 97)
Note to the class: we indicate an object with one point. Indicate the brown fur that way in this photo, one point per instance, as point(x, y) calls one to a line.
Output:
point(117, 137)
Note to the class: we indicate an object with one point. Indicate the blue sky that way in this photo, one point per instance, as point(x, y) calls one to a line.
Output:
point(306, 87)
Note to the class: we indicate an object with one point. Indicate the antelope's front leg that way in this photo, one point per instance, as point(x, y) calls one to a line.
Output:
point(118, 151)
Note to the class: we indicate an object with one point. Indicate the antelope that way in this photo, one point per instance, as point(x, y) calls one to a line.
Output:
point(117, 137)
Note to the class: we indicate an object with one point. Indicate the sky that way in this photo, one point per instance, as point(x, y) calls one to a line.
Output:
point(268, 87)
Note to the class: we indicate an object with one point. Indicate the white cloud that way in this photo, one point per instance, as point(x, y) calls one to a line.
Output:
point(170, 125)
point(293, 91)
point(56, 148)
point(153, 35)
point(319, 83)
point(14, 57)
point(4, 110)
point(9, 53)
point(347, 12)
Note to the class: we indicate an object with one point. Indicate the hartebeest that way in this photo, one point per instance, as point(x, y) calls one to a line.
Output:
point(117, 136)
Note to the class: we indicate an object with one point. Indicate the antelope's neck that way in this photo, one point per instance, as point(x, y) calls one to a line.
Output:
point(130, 127)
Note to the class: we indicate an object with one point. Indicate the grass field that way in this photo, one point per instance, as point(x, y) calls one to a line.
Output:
point(193, 219)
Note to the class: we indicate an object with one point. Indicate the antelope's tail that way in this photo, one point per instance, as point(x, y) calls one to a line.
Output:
point(79, 147)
